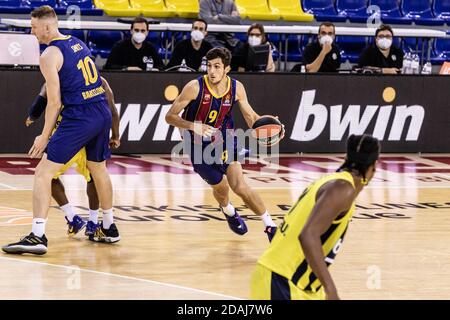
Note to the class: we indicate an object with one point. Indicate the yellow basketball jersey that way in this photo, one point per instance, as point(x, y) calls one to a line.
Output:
point(285, 255)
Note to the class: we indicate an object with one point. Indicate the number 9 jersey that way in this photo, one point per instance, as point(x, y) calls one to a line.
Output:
point(79, 79)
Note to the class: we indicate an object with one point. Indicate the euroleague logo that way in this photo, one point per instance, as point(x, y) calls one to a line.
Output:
point(14, 217)
point(15, 49)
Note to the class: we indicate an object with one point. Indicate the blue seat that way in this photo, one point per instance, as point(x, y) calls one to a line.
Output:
point(420, 12)
point(351, 47)
point(294, 52)
point(354, 10)
point(14, 6)
point(101, 42)
point(441, 51)
point(441, 10)
point(413, 45)
point(86, 7)
point(75, 32)
point(390, 12)
point(323, 10)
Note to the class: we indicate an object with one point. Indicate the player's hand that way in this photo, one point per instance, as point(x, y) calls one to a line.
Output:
point(39, 145)
point(114, 143)
point(204, 130)
point(28, 122)
point(326, 48)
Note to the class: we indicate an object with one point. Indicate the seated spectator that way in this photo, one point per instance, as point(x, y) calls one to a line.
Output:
point(135, 53)
point(220, 12)
point(256, 37)
point(382, 54)
point(192, 50)
point(322, 55)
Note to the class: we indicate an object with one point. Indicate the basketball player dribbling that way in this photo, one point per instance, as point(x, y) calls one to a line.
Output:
point(74, 222)
point(207, 121)
point(72, 80)
point(295, 266)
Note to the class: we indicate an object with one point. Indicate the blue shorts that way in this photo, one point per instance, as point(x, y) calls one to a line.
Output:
point(213, 168)
point(82, 126)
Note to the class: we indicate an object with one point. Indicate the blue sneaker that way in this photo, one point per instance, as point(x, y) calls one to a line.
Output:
point(236, 224)
point(91, 227)
point(270, 232)
point(75, 226)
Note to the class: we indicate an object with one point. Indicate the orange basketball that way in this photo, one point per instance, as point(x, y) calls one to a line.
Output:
point(268, 130)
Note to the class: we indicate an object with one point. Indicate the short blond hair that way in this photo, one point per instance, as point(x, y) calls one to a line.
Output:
point(43, 12)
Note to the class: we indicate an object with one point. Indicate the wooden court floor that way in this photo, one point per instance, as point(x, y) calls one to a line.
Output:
point(176, 245)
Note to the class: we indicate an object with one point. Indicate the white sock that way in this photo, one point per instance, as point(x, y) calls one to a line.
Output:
point(108, 218)
point(38, 226)
point(93, 216)
point(268, 220)
point(229, 209)
point(68, 210)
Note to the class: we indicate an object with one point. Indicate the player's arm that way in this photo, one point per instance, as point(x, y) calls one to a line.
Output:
point(38, 107)
point(50, 62)
point(335, 198)
point(250, 116)
point(188, 94)
point(114, 142)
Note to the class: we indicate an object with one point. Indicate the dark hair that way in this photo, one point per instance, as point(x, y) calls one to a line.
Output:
point(43, 12)
point(260, 27)
point(201, 20)
point(384, 27)
point(222, 53)
point(327, 24)
point(139, 19)
point(362, 152)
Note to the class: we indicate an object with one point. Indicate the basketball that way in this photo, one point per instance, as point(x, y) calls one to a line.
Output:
point(268, 130)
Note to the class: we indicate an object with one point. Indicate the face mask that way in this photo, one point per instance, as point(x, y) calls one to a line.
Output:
point(197, 35)
point(384, 43)
point(254, 41)
point(139, 37)
point(325, 39)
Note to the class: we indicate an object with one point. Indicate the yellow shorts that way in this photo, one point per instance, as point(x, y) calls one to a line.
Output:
point(80, 160)
point(267, 285)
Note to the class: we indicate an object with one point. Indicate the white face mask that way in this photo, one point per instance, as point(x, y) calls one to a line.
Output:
point(325, 39)
point(197, 35)
point(139, 37)
point(384, 43)
point(254, 41)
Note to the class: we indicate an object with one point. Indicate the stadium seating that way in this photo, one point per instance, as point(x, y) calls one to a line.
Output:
point(390, 12)
point(289, 10)
point(101, 42)
point(116, 8)
point(323, 10)
point(354, 10)
point(255, 10)
point(13, 6)
point(86, 7)
point(80, 34)
point(183, 8)
point(351, 47)
point(441, 51)
point(152, 8)
point(441, 10)
point(420, 12)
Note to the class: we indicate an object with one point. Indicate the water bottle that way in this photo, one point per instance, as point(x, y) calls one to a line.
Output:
point(407, 63)
point(183, 67)
point(426, 68)
point(204, 65)
point(149, 65)
point(303, 69)
point(415, 64)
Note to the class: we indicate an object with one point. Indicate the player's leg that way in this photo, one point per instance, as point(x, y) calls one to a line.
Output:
point(74, 222)
point(249, 196)
point(97, 151)
point(36, 242)
point(94, 203)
